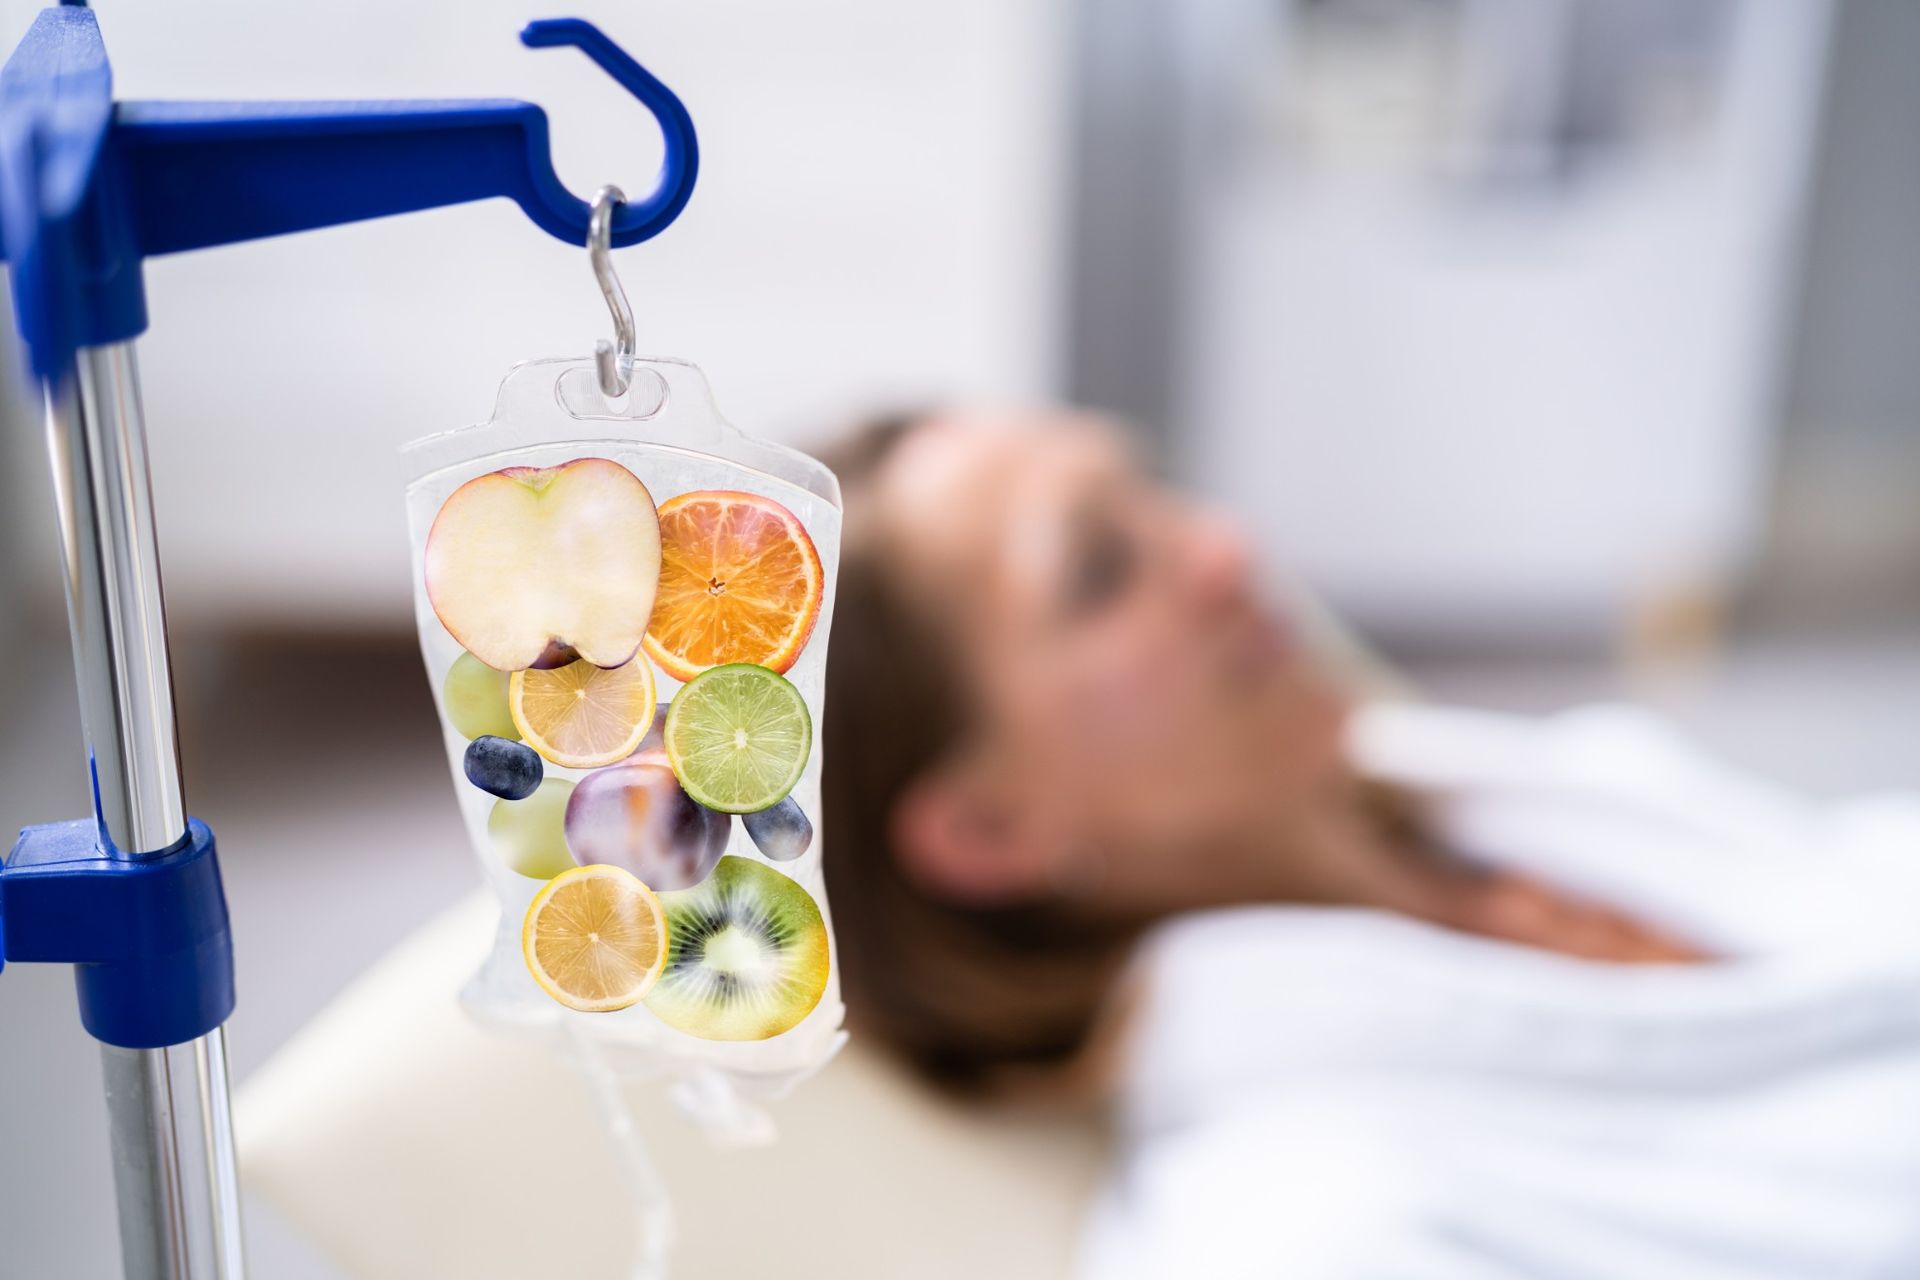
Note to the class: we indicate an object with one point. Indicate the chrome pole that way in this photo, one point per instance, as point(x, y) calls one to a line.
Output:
point(169, 1111)
point(97, 436)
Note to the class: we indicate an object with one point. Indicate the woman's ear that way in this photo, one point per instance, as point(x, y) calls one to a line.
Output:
point(961, 837)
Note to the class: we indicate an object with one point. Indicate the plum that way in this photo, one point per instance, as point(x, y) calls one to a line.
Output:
point(635, 815)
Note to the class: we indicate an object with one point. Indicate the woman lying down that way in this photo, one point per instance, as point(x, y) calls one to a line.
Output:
point(1374, 991)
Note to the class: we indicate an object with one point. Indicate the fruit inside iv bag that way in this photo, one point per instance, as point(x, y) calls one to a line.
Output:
point(536, 566)
point(622, 684)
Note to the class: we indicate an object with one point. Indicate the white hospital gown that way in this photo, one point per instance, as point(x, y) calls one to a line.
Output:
point(1346, 1095)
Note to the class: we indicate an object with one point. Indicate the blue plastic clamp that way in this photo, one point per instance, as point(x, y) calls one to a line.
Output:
point(148, 937)
point(89, 188)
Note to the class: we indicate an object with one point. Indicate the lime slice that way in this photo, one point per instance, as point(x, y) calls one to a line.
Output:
point(738, 737)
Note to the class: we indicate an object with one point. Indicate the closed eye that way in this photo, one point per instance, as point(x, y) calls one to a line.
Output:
point(1104, 562)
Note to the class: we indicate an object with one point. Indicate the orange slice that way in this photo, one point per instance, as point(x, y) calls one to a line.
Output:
point(595, 938)
point(740, 581)
point(583, 716)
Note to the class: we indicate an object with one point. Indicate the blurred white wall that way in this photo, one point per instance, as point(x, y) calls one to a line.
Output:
point(1846, 540)
point(1474, 374)
point(876, 216)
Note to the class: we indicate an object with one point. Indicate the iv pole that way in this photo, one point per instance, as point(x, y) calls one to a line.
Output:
point(131, 897)
point(168, 1109)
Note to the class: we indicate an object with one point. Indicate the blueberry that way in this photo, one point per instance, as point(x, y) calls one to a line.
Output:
point(510, 770)
point(782, 832)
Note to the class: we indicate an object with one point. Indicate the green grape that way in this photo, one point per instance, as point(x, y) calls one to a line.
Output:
point(476, 700)
point(531, 834)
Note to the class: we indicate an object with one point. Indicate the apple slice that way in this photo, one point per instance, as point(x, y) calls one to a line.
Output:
point(538, 566)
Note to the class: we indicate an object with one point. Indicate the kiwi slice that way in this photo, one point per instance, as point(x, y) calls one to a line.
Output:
point(746, 955)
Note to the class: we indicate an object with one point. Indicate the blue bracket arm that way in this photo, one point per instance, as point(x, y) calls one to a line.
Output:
point(89, 188)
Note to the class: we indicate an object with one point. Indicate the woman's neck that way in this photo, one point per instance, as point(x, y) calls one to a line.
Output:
point(1352, 850)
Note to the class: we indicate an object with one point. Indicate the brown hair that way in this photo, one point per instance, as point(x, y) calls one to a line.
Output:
point(974, 998)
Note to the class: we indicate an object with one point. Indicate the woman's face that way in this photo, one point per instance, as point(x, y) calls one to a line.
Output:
point(1139, 708)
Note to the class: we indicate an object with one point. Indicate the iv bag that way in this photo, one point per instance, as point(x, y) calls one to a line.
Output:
point(624, 605)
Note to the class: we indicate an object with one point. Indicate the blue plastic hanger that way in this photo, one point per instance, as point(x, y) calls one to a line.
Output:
point(89, 188)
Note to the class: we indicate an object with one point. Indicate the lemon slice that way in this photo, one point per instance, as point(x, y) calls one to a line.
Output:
point(583, 716)
point(595, 938)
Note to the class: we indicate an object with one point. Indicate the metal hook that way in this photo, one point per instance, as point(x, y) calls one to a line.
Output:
point(614, 364)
